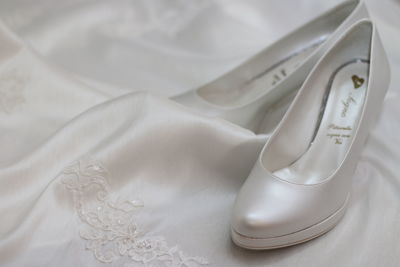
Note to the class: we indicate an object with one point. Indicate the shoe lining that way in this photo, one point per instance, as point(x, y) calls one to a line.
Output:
point(340, 112)
point(259, 84)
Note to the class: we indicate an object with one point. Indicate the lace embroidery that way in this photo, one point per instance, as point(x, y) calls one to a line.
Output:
point(12, 84)
point(24, 16)
point(166, 19)
point(109, 226)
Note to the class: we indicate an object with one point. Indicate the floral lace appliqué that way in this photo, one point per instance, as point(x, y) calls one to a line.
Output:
point(108, 225)
point(12, 84)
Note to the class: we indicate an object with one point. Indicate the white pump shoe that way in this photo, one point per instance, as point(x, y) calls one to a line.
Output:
point(244, 94)
point(299, 187)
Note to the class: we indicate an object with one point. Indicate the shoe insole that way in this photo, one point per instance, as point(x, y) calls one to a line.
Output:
point(337, 124)
point(261, 82)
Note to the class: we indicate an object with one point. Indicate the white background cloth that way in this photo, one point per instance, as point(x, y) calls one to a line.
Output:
point(184, 168)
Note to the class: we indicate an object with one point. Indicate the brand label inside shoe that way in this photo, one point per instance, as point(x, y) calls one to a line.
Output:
point(346, 104)
point(340, 131)
point(357, 81)
point(277, 77)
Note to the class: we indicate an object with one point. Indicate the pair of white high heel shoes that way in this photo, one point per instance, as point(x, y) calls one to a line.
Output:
point(299, 186)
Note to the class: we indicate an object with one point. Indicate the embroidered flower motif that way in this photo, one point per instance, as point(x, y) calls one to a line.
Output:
point(12, 84)
point(109, 226)
point(129, 23)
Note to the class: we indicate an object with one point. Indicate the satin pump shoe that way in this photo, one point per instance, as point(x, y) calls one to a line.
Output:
point(299, 186)
point(244, 95)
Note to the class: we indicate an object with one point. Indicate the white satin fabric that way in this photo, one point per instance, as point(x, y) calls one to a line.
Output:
point(97, 165)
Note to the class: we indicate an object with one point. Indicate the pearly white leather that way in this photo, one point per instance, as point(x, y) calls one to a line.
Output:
point(269, 206)
point(319, 33)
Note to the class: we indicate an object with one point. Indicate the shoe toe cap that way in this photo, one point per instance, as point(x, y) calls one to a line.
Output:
point(260, 223)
